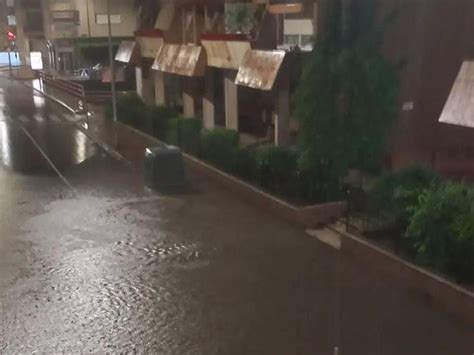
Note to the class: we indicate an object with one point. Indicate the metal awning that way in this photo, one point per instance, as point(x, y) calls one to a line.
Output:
point(260, 69)
point(186, 60)
point(128, 52)
point(459, 109)
point(225, 51)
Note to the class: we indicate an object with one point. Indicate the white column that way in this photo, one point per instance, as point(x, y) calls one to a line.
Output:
point(145, 87)
point(282, 118)
point(139, 80)
point(189, 107)
point(160, 97)
point(208, 104)
point(231, 102)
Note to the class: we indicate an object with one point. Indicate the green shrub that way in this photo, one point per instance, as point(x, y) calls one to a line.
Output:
point(314, 185)
point(218, 147)
point(244, 163)
point(276, 168)
point(442, 230)
point(159, 117)
point(398, 194)
point(130, 110)
point(185, 133)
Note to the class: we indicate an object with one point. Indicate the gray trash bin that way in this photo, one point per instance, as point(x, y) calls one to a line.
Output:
point(164, 169)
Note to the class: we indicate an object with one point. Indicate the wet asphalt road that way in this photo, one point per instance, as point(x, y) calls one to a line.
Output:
point(90, 260)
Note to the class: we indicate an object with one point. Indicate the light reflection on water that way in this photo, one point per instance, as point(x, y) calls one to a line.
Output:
point(2, 100)
point(38, 99)
point(64, 145)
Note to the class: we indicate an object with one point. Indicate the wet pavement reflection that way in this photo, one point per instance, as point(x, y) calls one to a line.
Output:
point(117, 268)
point(31, 128)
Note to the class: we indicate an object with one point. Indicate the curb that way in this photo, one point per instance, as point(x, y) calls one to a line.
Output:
point(308, 216)
point(442, 292)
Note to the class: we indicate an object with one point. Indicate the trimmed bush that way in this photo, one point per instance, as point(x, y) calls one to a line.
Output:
point(398, 194)
point(218, 147)
point(314, 185)
point(442, 230)
point(245, 163)
point(159, 117)
point(185, 133)
point(276, 168)
point(130, 110)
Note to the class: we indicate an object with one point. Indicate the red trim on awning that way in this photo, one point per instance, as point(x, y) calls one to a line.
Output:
point(224, 37)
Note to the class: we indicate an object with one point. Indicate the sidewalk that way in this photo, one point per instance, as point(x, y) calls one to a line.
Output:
point(114, 137)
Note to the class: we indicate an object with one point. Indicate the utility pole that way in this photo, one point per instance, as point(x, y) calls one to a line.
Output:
point(10, 61)
point(112, 65)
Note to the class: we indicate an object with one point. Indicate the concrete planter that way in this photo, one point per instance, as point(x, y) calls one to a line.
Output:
point(307, 216)
point(433, 288)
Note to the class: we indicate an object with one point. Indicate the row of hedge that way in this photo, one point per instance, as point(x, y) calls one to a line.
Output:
point(275, 169)
point(436, 218)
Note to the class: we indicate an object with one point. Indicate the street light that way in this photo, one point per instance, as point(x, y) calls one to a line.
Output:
point(112, 65)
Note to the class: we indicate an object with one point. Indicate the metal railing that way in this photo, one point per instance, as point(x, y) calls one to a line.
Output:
point(365, 214)
point(74, 89)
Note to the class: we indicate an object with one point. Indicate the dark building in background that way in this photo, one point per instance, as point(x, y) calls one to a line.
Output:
point(432, 38)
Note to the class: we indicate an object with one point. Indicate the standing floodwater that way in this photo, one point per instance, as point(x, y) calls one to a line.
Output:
point(90, 260)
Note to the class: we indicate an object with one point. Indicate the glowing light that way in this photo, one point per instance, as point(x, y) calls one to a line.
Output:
point(5, 144)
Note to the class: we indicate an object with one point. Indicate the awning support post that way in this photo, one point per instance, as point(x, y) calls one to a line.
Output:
point(160, 95)
point(208, 101)
point(189, 98)
point(231, 102)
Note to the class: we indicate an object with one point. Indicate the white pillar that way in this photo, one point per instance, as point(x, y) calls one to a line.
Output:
point(139, 80)
point(208, 100)
point(145, 87)
point(189, 105)
point(231, 102)
point(282, 118)
point(160, 97)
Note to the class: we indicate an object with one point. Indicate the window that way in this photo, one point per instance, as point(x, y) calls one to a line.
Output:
point(102, 19)
point(292, 40)
point(11, 20)
point(33, 21)
point(298, 32)
point(306, 40)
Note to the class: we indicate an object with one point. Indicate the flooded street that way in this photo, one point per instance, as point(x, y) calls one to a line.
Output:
point(91, 261)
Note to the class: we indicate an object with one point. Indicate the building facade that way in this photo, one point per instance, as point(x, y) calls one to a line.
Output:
point(231, 64)
point(3, 25)
point(77, 30)
point(71, 33)
point(430, 39)
point(246, 59)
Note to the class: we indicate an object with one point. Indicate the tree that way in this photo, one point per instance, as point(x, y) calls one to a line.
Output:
point(347, 96)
